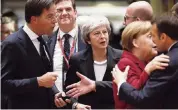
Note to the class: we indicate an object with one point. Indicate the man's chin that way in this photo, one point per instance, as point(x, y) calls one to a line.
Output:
point(65, 22)
point(49, 33)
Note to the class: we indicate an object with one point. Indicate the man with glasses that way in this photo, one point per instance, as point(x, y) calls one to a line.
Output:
point(138, 11)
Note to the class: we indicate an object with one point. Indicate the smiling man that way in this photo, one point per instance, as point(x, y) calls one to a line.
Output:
point(65, 41)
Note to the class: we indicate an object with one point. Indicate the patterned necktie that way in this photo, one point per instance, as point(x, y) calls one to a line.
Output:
point(66, 51)
point(43, 55)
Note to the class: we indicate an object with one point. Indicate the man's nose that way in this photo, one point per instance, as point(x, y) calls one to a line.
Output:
point(64, 12)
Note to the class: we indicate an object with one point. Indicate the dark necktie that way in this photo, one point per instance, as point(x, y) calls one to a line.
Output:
point(43, 55)
point(67, 53)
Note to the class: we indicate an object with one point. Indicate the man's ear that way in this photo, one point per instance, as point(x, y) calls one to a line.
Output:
point(163, 36)
point(88, 42)
point(75, 11)
point(138, 19)
point(33, 19)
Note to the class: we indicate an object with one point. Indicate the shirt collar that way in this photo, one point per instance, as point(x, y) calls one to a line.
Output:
point(73, 32)
point(30, 33)
point(172, 46)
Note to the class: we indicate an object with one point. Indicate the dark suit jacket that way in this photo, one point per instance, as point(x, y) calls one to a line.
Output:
point(52, 42)
point(136, 76)
point(83, 63)
point(20, 66)
point(161, 89)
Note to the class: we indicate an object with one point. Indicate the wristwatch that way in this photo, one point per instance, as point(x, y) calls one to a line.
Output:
point(74, 106)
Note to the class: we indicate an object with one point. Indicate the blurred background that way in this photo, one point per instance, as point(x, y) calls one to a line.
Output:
point(113, 9)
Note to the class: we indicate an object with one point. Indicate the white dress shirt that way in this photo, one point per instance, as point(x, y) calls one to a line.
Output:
point(58, 56)
point(33, 36)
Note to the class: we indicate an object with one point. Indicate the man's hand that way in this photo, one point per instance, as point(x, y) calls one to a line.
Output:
point(82, 87)
point(83, 107)
point(118, 75)
point(48, 79)
point(59, 102)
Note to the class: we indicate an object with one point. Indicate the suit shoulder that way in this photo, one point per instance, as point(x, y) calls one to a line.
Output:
point(79, 54)
point(53, 35)
point(116, 52)
point(173, 57)
point(11, 39)
point(125, 61)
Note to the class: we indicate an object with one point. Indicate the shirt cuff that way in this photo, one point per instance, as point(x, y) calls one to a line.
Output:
point(119, 85)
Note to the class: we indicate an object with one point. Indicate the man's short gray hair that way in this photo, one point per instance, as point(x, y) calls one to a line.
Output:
point(91, 24)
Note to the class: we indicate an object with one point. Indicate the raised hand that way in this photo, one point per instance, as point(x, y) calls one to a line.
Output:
point(47, 80)
point(82, 87)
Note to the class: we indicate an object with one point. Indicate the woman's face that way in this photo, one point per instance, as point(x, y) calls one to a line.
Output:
point(146, 46)
point(99, 37)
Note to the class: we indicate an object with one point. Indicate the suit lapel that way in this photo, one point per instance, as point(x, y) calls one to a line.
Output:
point(111, 62)
point(29, 48)
point(87, 64)
point(49, 55)
point(52, 42)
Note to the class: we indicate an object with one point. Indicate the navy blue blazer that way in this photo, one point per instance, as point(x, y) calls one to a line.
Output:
point(83, 63)
point(20, 66)
point(161, 89)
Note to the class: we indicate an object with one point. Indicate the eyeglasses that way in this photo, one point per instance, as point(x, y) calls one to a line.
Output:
point(126, 17)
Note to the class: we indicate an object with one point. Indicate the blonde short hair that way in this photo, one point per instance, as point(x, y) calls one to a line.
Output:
point(133, 31)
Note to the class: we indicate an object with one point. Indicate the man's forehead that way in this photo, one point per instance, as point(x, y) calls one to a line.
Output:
point(64, 3)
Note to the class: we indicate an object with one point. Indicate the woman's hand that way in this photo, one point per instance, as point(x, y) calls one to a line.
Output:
point(159, 62)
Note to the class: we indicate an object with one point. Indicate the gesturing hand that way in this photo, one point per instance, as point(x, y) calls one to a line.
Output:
point(84, 86)
point(47, 80)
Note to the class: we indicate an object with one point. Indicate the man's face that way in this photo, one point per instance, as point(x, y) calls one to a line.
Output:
point(7, 29)
point(66, 15)
point(129, 18)
point(45, 23)
point(160, 43)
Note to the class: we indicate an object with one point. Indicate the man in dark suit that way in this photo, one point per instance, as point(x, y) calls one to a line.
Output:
point(161, 90)
point(66, 38)
point(26, 61)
